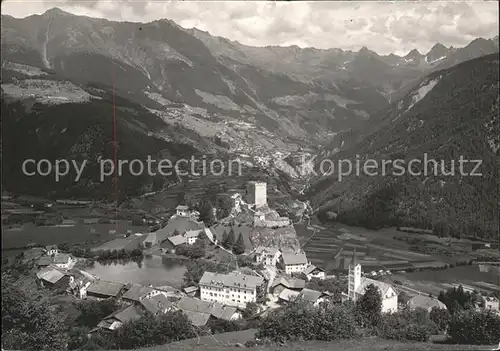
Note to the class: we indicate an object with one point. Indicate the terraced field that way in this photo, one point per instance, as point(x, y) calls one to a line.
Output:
point(322, 246)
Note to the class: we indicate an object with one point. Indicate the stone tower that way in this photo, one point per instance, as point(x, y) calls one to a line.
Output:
point(257, 193)
point(354, 277)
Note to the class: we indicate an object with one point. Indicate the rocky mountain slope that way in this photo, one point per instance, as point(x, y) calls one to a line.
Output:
point(265, 106)
point(451, 113)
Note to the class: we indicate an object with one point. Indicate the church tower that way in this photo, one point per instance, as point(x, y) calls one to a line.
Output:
point(354, 277)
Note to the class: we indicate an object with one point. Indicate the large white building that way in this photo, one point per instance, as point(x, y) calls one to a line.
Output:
point(294, 262)
point(257, 194)
point(233, 289)
point(357, 286)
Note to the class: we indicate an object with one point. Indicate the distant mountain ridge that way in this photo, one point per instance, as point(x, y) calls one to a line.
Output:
point(184, 87)
point(451, 113)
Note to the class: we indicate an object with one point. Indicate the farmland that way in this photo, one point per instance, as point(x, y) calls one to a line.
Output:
point(388, 249)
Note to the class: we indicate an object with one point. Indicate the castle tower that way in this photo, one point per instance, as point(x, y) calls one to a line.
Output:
point(354, 277)
point(257, 193)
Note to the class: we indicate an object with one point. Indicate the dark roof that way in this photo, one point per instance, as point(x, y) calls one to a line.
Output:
point(182, 207)
point(50, 275)
point(181, 224)
point(51, 247)
point(126, 314)
point(194, 305)
point(310, 295)
point(232, 279)
point(106, 288)
point(61, 258)
point(45, 261)
point(313, 268)
point(156, 304)
point(289, 282)
point(177, 240)
point(294, 257)
point(191, 289)
point(196, 318)
point(220, 311)
point(136, 292)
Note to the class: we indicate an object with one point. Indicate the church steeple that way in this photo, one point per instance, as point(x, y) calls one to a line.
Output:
point(354, 277)
point(354, 262)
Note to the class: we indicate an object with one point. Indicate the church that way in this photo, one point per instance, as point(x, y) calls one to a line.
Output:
point(358, 284)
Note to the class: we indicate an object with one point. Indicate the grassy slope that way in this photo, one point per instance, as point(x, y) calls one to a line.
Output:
point(228, 341)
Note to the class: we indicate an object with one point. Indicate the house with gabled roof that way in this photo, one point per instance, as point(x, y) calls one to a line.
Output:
point(53, 277)
point(267, 255)
point(192, 235)
point(137, 292)
point(313, 296)
point(120, 317)
point(51, 250)
point(104, 289)
point(157, 304)
point(281, 283)
point(235, 289)
point(63, 260)
point(314, 272)
point(294, 262)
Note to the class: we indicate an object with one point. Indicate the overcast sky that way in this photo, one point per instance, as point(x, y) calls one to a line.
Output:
point(381, 26)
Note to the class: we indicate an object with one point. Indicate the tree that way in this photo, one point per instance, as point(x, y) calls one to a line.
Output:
point(206, 210)
point(176, 232)
point(301, 320)
point(239, 246)
point(78, 338)
point(406, 325)
point(27, 320)
point(369, 306)
point(92, 312)
point(472, 327)
point(440, 317)
point(250, 310)
point(224, 206)
point(456, 299)
point(229, 242)
point(150, 330)
point(403, 298)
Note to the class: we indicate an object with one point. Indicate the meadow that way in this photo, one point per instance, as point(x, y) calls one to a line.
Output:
point(87, 235)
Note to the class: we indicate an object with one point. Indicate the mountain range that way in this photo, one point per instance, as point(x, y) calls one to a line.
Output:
point(178, 92)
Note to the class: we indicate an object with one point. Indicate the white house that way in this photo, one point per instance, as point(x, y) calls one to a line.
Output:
point(357, 286)
point(51, 250)
point(192, 235)
point(314, 272)
point(491, 303)
point(294, 262)
point(182, 211)
point(234, 289)
point(62, 261)
point(267, 255)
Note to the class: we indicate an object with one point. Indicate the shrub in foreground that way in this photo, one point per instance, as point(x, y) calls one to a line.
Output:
point(300, 320)
point(406, 325)
point(471, 327)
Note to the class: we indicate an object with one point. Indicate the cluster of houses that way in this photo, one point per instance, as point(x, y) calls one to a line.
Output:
point(217, 296)
point(55, 258)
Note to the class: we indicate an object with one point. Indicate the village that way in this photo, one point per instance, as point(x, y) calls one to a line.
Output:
point(275, 272)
